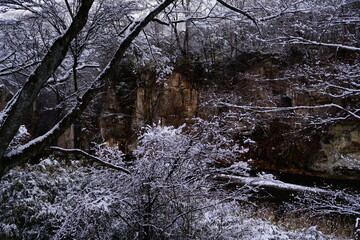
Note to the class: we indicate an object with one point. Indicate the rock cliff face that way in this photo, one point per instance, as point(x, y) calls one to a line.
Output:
point(339, 151)
point(288, 107)
point(133, 101)
point(263, 96)
point(173, 103)
point(311, 140)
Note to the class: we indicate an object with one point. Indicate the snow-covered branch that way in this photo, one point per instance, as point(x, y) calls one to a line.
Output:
point(92, 157)
point(281, 109)
point(339, 202)
point(282, 13)
point(300, 40)
point(244, 13)
point(11, 70)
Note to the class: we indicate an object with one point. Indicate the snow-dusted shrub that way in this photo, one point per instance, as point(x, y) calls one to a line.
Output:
point(55, 200)
point(109, 154)
point(231, 221)
point(166, 196)
point(169, 184)
point(76, 200)
point(214, 142)
point(28, 201)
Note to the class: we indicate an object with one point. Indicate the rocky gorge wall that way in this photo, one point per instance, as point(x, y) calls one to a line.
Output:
point(287, 108)
point(303, 141)
point(173, 102)
point(312, 141)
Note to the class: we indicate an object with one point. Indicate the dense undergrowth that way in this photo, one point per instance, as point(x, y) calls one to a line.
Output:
point(168, 195)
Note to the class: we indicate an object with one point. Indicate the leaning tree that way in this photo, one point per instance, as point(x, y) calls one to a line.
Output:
point(14, 113)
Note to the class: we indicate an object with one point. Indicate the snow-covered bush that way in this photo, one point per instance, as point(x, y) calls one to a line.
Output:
point(168, 184)
point(214, 144)
point(109, 154)
point(231, 221)
point(28, 199)
point(75, 200)
point(58, 200)
point(166, 196)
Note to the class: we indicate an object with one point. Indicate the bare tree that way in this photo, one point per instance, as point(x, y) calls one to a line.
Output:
point(13, 114)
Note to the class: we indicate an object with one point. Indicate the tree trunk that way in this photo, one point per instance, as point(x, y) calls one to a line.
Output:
point(18, 107)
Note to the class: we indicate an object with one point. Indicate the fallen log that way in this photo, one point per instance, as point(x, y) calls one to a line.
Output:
point(268, 184)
